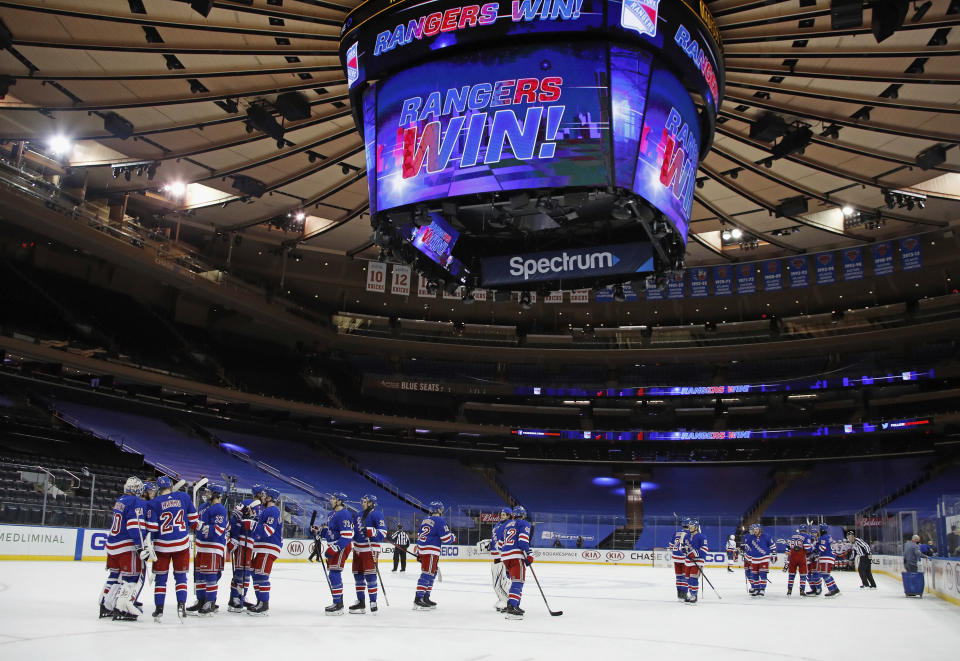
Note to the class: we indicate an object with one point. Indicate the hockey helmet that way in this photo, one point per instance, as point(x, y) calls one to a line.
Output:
point(754, 527)
point(164, 482)
point(258, 488)
point(436, 506)
point(215, 490)
point(149, 486)
point(824, 528)
point(693, 523)
point(733, 536)
point(685, 523)
point(133, 485)
point(506, 510)
point(339, 495)
point(802, 527)
point(272, 494)
point(519, 511)
point(370, 498)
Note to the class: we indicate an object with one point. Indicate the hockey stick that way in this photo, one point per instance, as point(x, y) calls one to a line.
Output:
point(710, 584)
point(383, 588)
point(200, 484)
point(552, 612)
point(414, 555)
point(319, 550)
point(179, 485)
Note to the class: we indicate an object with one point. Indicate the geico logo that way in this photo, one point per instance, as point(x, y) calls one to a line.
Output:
point(561, 263)
point(448, 551)
point(98, 541)
point(295, 548)
point(591, 555)
point(614, 555)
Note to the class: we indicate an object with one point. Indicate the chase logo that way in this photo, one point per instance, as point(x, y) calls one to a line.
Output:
point(640, 15)
point(353, 69)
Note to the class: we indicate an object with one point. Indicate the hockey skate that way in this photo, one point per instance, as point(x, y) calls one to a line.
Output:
point(730, 570)
point(691, 598)
point(181, 611)
point(195, 609)
point(832, 593)
point(119, 615)
point(513, 613)
point(681, 594)
point(358, 608)
point(373, 608)
point(334, 609)
point(259, 609)
point(422, 605)
point(208, 609)
point(429, 602)
point(104, 611)
point(158, 614)
point(235, 605)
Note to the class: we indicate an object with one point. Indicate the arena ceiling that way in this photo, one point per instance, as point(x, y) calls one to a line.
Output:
point(184, 82)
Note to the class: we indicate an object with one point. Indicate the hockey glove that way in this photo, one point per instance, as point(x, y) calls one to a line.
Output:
point(331, 552)
point(528, 560)
point(369, 532)
point(497, 561)
point(145, 554)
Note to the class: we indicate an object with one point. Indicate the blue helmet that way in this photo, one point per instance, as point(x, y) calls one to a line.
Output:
point(370, 498)
point(506, 510)
point(519, 511)
point(149, 486)
point(685, 522)
point(164, 482)
point(215, 490)
point(693, 522)
point(754, 527)
point(802, 527)
point(339, 495)
point(272, 494)
point(436, 506)
point(257, 488)
point(824, 528)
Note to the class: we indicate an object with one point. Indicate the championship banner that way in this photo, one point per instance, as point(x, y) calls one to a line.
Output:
point(377, 277)
point(480, 295)
point(400, 283)
point(910, 259)
point(826, 275)
point(699, 282)
point(746, 279)
point(852, 264)
point(882, 258)
point(652, 293)
point(605, 295)
point(580, 296)
point(772, 275)
point(799, 272)
point(675, 286)
point(422, 290)
point(722, 281)
point(554, 297)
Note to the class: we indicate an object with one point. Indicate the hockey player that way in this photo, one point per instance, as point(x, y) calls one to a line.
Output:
point(498, 571)
point(126, 553)
point(371, 529)
point(696, 555)
point(678, 554)
point(149, 491)
point(731, 552)
point(267, 536)
point(516, 556)
point(434, 533)
point(241, 547)
point(170, 519)
point(798, 546)
point(211, 545)
point(813, 577)
point(825, 561)
point(338, 531)
point(758, 548)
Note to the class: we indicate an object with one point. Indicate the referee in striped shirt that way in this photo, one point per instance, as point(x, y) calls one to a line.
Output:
point(402, 540)
point(861, 552)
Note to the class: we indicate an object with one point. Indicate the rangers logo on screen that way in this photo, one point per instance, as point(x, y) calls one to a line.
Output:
point(640, 15)
point(353, 70)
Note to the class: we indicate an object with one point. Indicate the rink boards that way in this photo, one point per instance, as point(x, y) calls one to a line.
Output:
point(942, 575)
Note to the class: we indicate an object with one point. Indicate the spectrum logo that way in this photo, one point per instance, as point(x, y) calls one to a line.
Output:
point(562, 263)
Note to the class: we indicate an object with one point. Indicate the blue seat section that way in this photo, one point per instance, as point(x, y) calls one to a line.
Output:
point(845, 487)
point(160, 443)
point(319, 470)
point(562, 488)
point(924, 498)
point(428, 478)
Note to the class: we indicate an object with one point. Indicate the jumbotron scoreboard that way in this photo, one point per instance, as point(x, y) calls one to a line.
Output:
point(533, 144)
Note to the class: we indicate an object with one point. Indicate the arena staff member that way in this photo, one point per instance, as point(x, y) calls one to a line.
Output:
point(861, 555)
point(911, 555)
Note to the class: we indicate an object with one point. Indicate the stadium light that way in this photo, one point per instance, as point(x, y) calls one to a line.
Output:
point(60, 145)
point(736, 233)
point(848, 210)
point(175, 189)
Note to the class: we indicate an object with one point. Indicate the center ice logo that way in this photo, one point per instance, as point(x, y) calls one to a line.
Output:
point(640, 15)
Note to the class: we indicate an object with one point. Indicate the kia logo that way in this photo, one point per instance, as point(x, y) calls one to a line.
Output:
point(591, 555)
point(615, 555)
point(295, 548)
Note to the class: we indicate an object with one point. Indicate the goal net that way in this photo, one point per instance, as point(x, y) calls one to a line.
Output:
point(662, 557)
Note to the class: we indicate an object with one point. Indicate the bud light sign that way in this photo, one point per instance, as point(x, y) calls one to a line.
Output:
point(569, 264)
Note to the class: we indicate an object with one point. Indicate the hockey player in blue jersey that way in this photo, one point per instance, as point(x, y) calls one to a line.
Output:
point(498, 571)
point(211, 544)
point(267, 543)
point(825, 561)
point(516, 556)
point(696, 554)
point(171, 518)
point(433, 534)
point(241, 546)
point(679, 556)
point(370, 530)
point(798, 547)
point(339, 533)
point(759, 547)
point(813, 576)
point(127, 550)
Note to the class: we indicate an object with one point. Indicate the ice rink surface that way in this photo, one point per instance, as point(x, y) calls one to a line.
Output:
point(48, 610)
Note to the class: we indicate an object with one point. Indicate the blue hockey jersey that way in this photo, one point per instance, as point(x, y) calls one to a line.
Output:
point(697, 547)
point(496, 539)
point(170, 519)
point(212, 534)
point(371, 529)
point(516, 540)
point(759, 547)
point(434, 533)
point(800, 541)
point(128, 525)
point(268, 533)
point(825, 546)
point(679, 545)
point(339, 531)
point(240, 527)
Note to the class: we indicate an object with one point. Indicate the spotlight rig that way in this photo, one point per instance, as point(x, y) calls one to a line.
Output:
point(904, 199)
